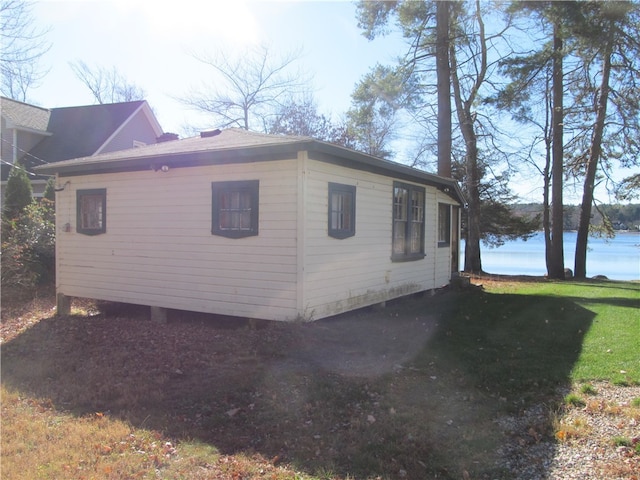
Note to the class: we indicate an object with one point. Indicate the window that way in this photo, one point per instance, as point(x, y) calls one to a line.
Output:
point(235, 208)
point(91, 211)
point(342, 210)
point(408, 222)
point(444, 225)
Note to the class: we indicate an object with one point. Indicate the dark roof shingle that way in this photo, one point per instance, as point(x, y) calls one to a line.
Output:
point(80, 131)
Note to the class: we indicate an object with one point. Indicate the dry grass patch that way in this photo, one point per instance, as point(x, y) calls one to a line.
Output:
point(40, 442)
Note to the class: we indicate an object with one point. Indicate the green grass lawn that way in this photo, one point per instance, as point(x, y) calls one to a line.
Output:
point(534, 334)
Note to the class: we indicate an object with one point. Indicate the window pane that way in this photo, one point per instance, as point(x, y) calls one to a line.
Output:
point(416, 238)
point(417, 206)
point(91, 211)
point(340, 211)
point(245, 220)
point(400, 203)
point(444, 223)
point(235, 210)
point(399, 237)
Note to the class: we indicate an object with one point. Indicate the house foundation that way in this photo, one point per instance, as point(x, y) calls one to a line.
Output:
point(63, 305)
point(159, 314)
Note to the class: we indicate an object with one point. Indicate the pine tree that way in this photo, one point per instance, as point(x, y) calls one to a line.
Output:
point(19, 193)
point(608, 48)
point(50, 190)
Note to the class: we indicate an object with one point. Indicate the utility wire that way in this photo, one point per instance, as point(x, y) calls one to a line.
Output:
point(24, 151)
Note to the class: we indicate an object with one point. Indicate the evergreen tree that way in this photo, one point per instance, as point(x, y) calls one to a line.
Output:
point(607, 97)
point(18, 194)
point(50, 190)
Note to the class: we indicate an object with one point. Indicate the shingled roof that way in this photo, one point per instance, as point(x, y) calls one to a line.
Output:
point(25, 116)
point(236, 145)
point(81, 131)
point(71, 132)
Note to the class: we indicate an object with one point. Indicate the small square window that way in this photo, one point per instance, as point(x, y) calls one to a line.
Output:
point(444, 224)
point(91, 211)
point(235, 208)
point(342, 210)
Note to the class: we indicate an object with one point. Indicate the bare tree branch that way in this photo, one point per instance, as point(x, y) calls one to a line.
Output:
point(22, 45)
point(106, 85)
point(246, 90)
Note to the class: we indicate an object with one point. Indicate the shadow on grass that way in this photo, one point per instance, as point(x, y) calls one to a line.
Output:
point(268, 390)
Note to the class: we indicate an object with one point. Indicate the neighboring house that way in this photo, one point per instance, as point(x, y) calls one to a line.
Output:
point(36, 136)
point(251, 225)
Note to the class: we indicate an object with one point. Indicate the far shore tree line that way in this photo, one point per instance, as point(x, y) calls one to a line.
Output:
point(484, 90)
point(607, 219)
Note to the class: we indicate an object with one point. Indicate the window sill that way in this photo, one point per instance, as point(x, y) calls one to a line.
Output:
point(407, 258)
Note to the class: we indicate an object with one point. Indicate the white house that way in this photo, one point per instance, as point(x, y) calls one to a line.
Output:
point(251, 225)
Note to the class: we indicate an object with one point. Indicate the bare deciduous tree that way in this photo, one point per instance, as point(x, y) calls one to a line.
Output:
point(246, 90)
point(22, 45)
point(107, 85)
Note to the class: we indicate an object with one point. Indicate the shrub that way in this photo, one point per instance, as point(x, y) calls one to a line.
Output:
point(28, 249)
point(18, 194)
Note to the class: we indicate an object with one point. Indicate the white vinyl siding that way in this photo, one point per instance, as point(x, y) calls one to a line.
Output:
point(340, 275)
point(159, 250)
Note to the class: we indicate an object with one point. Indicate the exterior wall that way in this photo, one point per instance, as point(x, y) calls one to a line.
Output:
point(137, 128)
point(158, 248)
point(26, 141)
point(344, 274)
point(443, 254)
point(6, 146)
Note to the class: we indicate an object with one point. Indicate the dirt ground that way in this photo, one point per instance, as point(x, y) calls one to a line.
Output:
point(330, 395)
point(370, 394)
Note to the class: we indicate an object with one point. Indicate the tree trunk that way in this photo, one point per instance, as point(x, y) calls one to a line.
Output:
point(580, 265)
point(546, 212)
point(444, 90)
point(472, 260)
point(555, 258)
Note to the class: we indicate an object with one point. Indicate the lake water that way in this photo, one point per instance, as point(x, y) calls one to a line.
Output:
point(617, 258)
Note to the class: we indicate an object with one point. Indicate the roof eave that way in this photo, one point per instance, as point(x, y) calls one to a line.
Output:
point(369, 162)
point(321, 150)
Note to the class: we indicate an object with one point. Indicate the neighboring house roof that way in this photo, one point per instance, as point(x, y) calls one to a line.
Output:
point(236, 146)
point(72, 131)
point(24, 116)
point(82, 131)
